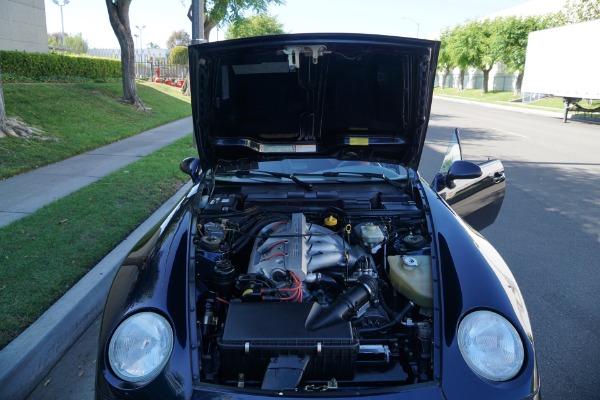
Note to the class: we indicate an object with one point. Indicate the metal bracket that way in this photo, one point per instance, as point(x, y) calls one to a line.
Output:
point(293, 53)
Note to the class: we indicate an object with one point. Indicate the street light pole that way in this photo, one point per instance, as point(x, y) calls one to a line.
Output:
point(413, 21)
point(140, 30)
point(141, 42)
point(61, 4)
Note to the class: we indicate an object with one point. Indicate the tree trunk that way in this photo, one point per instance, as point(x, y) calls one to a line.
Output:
point(118, 14)
point(461, 80)
point(208, 26)
point(444, 75)
point(486, 80)
point(518, 83)
point(2, 109)
point(185, 88)
point(15, 128)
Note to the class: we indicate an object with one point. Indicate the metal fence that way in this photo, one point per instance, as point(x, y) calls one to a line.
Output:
point(499, 82)
point(148, 62)
point(153, 69)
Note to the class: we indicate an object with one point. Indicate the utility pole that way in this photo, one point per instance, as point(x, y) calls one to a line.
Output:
point(196, 15)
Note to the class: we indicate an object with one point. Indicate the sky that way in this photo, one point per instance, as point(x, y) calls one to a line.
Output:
point(155, 20)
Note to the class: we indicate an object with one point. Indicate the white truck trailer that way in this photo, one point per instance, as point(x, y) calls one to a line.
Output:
point(564, 62)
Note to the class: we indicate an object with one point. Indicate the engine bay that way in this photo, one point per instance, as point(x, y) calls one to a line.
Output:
point(313, 291)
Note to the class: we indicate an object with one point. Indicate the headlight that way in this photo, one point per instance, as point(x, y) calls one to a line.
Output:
point(140, 347)
point(490, 345)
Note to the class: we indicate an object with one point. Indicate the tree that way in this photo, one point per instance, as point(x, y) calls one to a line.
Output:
point(512, 36)
point(576, 11)
point(178, 38)
point(118, 14)
point(458, 50)
point(229, 11)
point(256, 25)
point(75, 44)
point(179, 55)
point(2, 109)
point(482, 47)
point(14, 127)
point(444, 61)
point(153, 45)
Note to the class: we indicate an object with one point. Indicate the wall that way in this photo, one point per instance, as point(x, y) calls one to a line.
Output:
point(499, 79)
point(23, 25)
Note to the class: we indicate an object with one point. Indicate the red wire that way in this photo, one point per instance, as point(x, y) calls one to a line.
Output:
point(273, 245)
point(220, 300)
point(277, 225)
point(279, 253)
point(296, 291)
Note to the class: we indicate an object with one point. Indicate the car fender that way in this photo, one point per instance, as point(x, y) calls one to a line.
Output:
point(471, 275)
point(159, 261)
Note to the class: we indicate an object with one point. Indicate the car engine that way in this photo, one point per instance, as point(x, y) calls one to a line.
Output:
point(313, 294)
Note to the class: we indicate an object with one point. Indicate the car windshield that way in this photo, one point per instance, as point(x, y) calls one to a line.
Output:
point(313, 170)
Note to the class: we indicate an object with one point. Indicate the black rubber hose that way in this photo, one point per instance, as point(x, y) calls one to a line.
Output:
point(384, 304)
point(390, 324)
point(243, 241)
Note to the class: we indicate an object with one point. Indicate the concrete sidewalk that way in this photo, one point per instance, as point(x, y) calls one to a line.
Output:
point(23, 194)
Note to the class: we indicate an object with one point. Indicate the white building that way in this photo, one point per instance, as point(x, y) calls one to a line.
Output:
point(23, 25)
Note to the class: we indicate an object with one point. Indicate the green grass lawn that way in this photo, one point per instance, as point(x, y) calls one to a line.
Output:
point(475, 94)
point(500, 97)
point(508, 99)
point(44, 254)
point(82, 116)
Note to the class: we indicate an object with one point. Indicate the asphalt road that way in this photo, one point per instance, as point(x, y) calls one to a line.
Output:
point(548, 232)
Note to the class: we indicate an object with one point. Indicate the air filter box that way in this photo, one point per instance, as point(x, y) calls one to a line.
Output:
point(256, 332)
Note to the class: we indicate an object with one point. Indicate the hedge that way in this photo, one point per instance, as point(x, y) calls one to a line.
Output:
point(41, 67)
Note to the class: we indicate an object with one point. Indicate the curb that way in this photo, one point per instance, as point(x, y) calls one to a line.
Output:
point(543, 113)
point(553, 114)
point(26, 360)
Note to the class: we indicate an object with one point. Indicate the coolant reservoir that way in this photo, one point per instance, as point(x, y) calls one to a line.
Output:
point(411, 276)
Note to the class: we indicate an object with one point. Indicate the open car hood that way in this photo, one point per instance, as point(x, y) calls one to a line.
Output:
point(345, 96)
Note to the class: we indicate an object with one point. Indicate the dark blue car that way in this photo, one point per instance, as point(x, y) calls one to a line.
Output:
point(309, 260)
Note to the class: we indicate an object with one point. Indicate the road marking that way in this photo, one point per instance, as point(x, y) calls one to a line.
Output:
point(511, 133)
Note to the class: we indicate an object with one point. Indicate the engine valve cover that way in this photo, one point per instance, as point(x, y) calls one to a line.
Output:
point(301, 248)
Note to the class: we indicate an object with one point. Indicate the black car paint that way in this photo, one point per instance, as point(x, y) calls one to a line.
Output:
point(154, 277)
point(469, 275)
point(473, 276)
point(477, 200)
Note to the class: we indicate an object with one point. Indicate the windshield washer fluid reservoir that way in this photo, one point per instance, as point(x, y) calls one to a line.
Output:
point(411, 276)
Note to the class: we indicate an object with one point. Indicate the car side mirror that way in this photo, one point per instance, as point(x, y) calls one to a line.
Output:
point(461, 169)
point(191, 167)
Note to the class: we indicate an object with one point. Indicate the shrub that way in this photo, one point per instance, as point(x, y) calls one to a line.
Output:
point(179, 55)
point(40, 67)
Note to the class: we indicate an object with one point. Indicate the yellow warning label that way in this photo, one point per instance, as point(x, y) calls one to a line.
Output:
point(359, 141)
